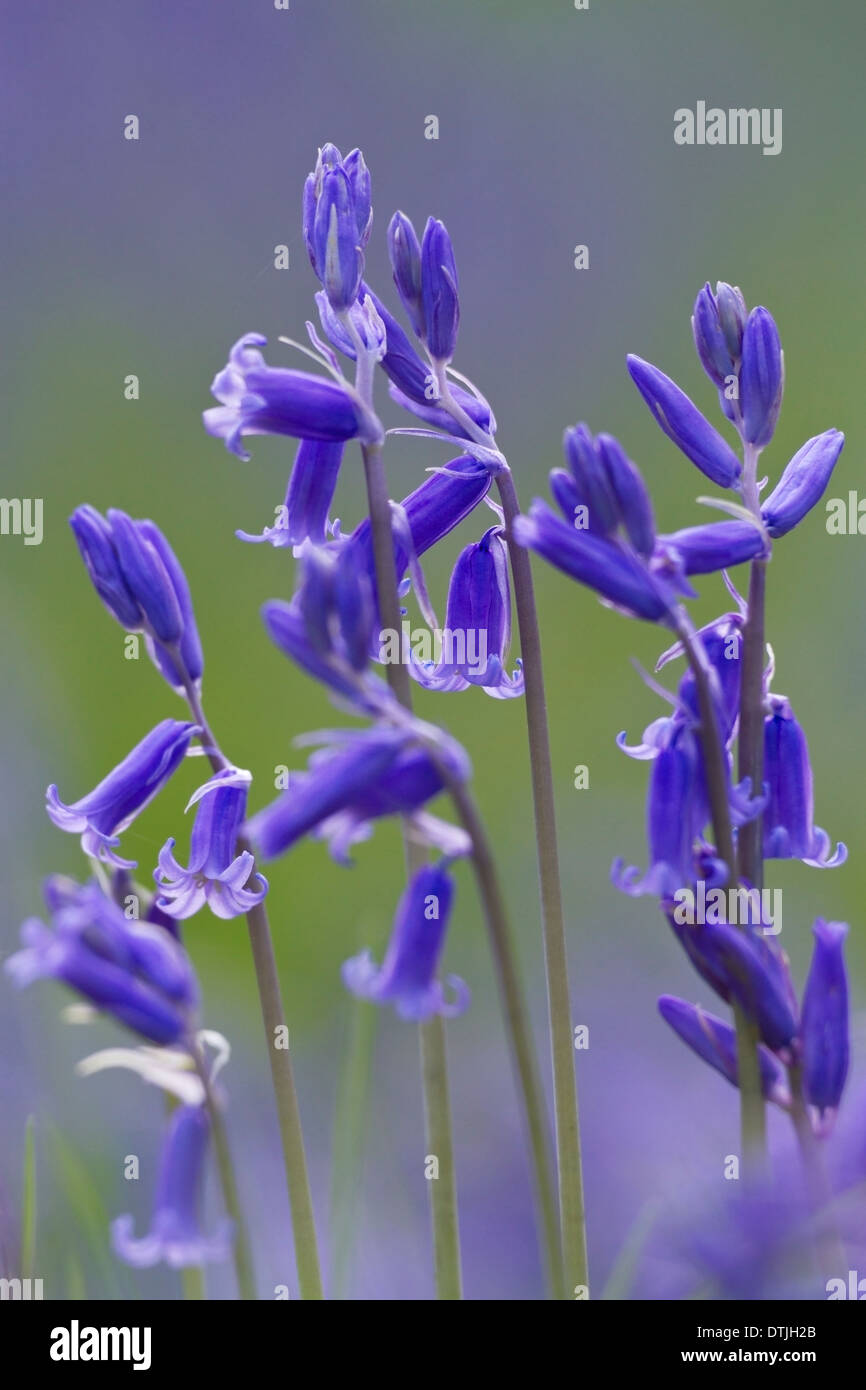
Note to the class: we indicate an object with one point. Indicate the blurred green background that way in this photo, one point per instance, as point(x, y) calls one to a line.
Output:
point(152, 257)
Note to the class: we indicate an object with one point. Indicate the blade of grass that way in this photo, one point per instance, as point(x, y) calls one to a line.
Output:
point(28, 1202)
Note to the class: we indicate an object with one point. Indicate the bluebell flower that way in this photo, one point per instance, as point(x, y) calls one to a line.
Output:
point(139, 579)
point(361, 777)
point(258, 399)
point(175, 1237)
point(477, 632)
point(802, 483)
point(762, 377)
point(217, 875)
point(716, 1043)
point(824, 1040)
point(683, 423)
point(337, 217)
point(407, 977)
point(312, 484)
point(620, 577)
point(722, 640)
point(114, 803)
point(439, 296)
point(753, 974)
point(678, 808)
point(404, 250)
point(134, 971)
point(412, 382)
point(716, 545)
point(717, 324)
point(789, 830)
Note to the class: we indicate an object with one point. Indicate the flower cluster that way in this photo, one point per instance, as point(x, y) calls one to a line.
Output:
point(697, 812)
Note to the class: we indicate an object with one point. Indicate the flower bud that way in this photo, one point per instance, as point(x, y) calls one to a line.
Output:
point(762, 378)
point(439, 292)
point(682, 422)
point(802, 483)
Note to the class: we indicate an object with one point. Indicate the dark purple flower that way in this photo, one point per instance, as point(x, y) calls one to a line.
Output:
point(404, 250)
point(615, 573)
point(413, 384)
point(313, 481)
point(407, 976)
point(762, 377)
point(718, 345)
point(716, 1042)
point(722, 641)
point(717, 545)
point(337, 217)
point(789, 829)
point(633, 504)
point(441, 305)
point(824, 1028)
point(682, 422)
point(676, 813)
point(477, 634)
point(217, 875)
point(114, 804)
point(175, 1235)
point(258, 399)
point(361, 778)
point(753, 974)
point(139, 579)
point(802, 483)
point(134, 971)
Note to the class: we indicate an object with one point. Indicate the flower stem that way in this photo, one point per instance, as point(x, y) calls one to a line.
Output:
point(517, 1027)
point(753, 1135)
point(434, 1058)
point(569, 1165)
point(571, 1203)
point(282, 1075)
point(228, 1183)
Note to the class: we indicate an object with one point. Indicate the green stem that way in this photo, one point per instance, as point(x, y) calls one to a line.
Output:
point(276, 1039)
point(192, 1283)
point(518, 1031)
point(225, 1168)
point(434, 1060)
point(569, 1166)
point(753, 1133)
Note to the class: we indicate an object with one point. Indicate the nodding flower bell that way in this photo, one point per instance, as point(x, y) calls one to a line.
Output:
point(312, 484)
point(362, 777)
point(404, 250)
point(114, 803)
point(716, 1042)
point(258, 399)
point(824, 1029)
point(135, 971)
point(139, 579)
point(683, 423)
point(788, 828)
point(337, 217)
point(477, 634)
point(217, 875)
point(175, 1237)
point(407, 977)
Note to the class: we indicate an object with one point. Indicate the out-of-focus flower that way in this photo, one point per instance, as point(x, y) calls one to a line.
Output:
point(114, 803)
point(788, 828)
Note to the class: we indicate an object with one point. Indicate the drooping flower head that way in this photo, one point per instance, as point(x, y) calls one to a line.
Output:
point(824, 1040)
point(217, 875)
point(175, 1236)
point(312, 484)
point(788, 828)
point(114, 803)
point(407, 977)
point(258, 399)
point(135, 971)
